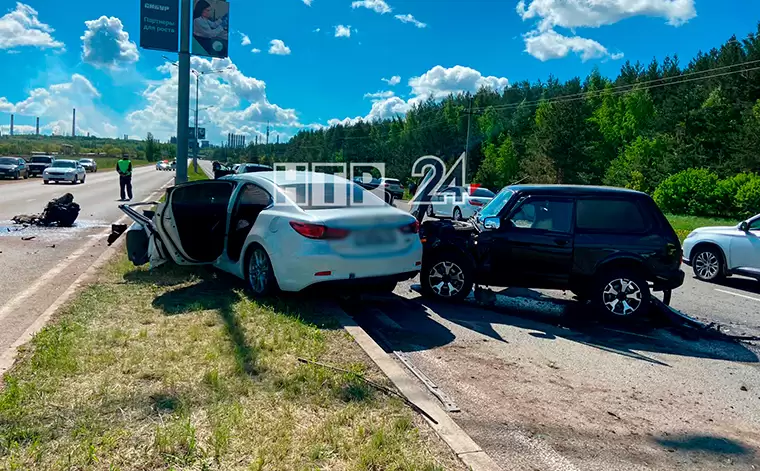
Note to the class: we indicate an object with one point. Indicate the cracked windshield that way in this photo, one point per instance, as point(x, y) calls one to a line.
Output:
point(380, 235)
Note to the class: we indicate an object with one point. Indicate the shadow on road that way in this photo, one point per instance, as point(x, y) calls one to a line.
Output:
point(749, 285)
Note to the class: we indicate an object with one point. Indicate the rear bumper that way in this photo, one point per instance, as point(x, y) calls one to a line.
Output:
point(362, 283)
point(669, 282)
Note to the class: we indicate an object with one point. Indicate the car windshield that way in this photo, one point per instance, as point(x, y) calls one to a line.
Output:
point(310, 196)
point(41, 160)
point(493, 208)
point(64, 164)
point(8, 161)
point(482, 193)
point(85, 161)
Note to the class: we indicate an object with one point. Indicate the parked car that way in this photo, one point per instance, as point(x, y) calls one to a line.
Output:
point(459, 202)
point(13, 167)
point(252, 168)
point(173, 165)
point(90, 165)
point(390, 185)
point(717, 252)
point(279, 231)
point(163, 166)
point(64, 171)
point(39, 163)
point(607, 245)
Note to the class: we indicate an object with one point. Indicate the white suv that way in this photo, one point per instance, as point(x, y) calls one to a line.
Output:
point(717, 252)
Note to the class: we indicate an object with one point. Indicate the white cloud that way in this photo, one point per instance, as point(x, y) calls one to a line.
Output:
point(278, 48)
point(256, 50)
point(393, 81)
point(105, 44)
point(388, 108)
point(6, 106)
point(580, 13)
point(343, 31)
point(410, 19)
point(439, 82)
point(307, 2)
point(378, 95)
point(245, 40)
point(378, 6)
point(21, 27)
point(552, 45)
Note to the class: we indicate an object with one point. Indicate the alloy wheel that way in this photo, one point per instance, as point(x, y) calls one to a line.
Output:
point(430, 211)
point(707, 265)
point(622, 297)
point(457, 214)
point(258, 271)
point(446, 279)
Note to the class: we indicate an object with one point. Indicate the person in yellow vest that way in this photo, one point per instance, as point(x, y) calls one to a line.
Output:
point(124, 167)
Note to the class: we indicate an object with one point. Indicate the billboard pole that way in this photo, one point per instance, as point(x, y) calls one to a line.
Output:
point(183, 101)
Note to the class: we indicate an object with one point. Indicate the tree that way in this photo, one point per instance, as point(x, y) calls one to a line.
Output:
point(500, 165)
point(152, 153)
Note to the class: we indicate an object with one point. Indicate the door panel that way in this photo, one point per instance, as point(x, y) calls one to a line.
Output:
point(193, 221)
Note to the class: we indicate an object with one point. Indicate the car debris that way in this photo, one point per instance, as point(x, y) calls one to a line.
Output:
point(116, 231)
point(62, 212)
point(29, 238)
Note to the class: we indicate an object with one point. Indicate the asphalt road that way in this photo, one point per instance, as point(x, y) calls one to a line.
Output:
point(33, 273)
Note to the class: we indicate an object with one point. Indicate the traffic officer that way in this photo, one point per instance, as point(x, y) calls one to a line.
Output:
point(124, 167)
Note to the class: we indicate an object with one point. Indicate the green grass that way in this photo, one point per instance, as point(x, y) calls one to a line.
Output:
point(108, 163)
point(178, 369)
point(194, 176)
point(683, 225)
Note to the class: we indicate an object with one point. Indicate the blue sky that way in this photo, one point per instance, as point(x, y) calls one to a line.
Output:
point(86, 54)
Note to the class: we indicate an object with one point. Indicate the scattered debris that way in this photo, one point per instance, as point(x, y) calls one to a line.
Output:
point(614, 415)
point(116, 231)
point(29, 238)
point(743, 388)
point(51, 246)
point(62, 212)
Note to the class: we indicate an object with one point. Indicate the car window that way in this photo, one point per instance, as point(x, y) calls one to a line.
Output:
point(609, 215)
point(542, 214)
point(41, 160)
point(64, 164)
point(254, 195)
point(493, 208)
point(755, 225)
point(8, 161)
point(482, 193)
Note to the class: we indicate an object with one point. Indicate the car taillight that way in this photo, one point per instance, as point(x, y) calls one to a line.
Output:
point(316, 231)
point(476, 203)
point(413, 228)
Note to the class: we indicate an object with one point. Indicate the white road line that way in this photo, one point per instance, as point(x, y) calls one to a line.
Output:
point(737, 294)
point(33, 199)
point(35, 287)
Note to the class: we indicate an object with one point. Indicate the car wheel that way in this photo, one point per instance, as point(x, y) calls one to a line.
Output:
point(84, 178)
point(708, 264)
point(260, 275)
point(622, 294)
point(17, 176)
point(76, 181)
point(26, 176)
point(457, 214)
point(46, 182)
point(447, 276)
point(431, 211)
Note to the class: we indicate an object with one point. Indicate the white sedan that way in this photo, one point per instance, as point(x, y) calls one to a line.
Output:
point(459, 202)
point(717, 252)
point(64, 171)
point(281, 230)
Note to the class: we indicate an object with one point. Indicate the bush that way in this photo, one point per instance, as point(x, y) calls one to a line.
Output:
point(727, 191)
point(692, 192)
point(748, 199)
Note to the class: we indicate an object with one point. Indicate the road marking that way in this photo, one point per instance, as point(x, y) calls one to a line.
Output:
point(35, 287)
point(33, 199)
point(737, 294)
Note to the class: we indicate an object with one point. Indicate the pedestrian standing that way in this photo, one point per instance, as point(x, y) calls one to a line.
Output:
point(124, 167)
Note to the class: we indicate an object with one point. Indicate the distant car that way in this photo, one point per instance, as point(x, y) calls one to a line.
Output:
point(252, 168)
point(90, 165)
point(280, 231)
point(173, 165)
point(39, 163)
point(717, 252)
point(64, 171)
point(459, 203)
point(163, 166)
point(13, 167)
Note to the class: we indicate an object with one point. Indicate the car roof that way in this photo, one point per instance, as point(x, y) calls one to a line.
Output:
point(67, 160)
point(575, 190)
point(286, 178)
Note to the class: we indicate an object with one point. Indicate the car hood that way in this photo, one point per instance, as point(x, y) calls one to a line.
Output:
point(716, 230)
point(60, 169)
point(8, 167)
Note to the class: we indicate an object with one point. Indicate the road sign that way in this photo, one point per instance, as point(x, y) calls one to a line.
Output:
point(201, 134)
point(211, 28)
point(159, 24)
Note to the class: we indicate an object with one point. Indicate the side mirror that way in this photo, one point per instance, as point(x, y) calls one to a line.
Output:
point(744, 226)
point(492, 223)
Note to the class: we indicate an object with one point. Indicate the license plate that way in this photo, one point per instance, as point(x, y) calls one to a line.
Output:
point(366, 238)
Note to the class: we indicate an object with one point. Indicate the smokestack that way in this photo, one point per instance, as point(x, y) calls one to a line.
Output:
point(74, 124)
point(243, 141)
point(38, 126)
point(11, 125)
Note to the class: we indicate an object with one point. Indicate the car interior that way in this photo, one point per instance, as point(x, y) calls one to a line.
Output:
point(200, 216)
point(544, 215)
point(251, 201)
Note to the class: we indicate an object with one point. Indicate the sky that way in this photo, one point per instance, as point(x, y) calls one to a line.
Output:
point(307, 64)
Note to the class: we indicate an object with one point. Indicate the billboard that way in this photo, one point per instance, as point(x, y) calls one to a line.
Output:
point(159, 24)
point(211, 28)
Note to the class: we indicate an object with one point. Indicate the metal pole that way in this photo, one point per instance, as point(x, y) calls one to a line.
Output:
point(467, 144)
point(195, 144)
point(183, 100)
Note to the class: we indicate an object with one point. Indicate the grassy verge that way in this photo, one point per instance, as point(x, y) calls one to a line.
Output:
point(108, 163)
point(177, 369)
point(194, 176)
point(683, 225)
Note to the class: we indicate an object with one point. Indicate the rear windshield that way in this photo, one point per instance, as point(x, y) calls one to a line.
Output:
point(64, 164)
point(85, 161)
point(310, 196)
point(8, 161)
point(482, 193)
point(392, 181)
point(41, 160)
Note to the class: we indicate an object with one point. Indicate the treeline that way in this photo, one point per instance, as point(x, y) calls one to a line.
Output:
point(634, 130)
point(24, 145)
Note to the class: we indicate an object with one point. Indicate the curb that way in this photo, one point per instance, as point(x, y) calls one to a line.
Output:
point(469, 452)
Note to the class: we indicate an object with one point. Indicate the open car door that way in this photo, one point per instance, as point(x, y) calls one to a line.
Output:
point(189, 228)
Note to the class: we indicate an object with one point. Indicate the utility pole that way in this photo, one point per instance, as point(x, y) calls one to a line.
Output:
point(74, 123)
point(183, 100)
point(467, 144)
point(195, 144)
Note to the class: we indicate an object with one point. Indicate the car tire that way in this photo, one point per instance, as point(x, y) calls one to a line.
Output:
point(76, 181)
point(46, 182)
point(457, 216)
point(259, 273)
point(621, 294)
point(17, 176)
point(26, 176)
point(84, 178)
point(430, 210)
point(447, 276)
point(708, 264)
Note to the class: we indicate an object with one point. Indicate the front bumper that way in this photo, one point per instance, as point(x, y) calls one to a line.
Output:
point(669, 282)
point(59, 178)
point(9, 173)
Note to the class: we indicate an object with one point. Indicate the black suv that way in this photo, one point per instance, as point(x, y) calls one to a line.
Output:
point(609, 246)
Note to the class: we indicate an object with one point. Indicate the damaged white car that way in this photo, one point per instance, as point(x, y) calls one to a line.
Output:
point(280, 230)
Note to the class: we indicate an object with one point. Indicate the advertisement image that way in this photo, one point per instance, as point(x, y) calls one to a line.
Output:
point(211, 28)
